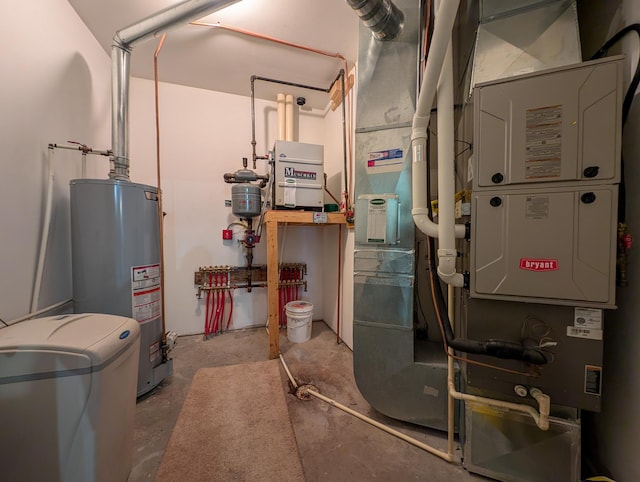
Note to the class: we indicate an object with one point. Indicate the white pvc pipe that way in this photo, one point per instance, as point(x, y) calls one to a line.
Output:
point(540, 417)
point(389, 430)
point(417, 443)
point(40, 312)
point(44, 235)
point(289, 117)
point(281, 118)
point(447, 253)
point(445, 17)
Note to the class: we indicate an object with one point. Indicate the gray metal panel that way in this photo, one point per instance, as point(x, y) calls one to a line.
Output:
point(545, 245)
point(563, 378)
point(396, 384)
point(395, 373)
point(387, 74)
point(114, 227)
point(550, 126)
point(525, 36)
point(509, 447)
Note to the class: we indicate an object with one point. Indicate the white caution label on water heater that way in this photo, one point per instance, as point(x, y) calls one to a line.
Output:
point(145, 292)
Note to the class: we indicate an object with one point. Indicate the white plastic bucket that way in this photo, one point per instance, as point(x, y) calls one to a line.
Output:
point(299, 316)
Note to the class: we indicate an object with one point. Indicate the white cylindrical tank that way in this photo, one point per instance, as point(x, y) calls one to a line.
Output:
point(67, 398)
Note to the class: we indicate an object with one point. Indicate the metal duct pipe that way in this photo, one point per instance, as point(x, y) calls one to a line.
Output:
point(123, 42)
point(382, 17)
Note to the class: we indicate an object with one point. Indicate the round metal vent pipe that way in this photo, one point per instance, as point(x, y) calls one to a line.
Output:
point(382, 17)
point(123, 42)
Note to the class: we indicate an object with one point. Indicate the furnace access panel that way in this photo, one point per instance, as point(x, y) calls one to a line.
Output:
point(562, 125)
point(545, 193)
point(550, 245)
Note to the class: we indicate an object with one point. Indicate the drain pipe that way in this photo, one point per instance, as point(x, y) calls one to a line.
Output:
point(540, 416)
point(417, 443)
point(123, 43)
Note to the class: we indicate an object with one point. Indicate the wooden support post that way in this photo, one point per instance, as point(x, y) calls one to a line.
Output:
point(272, 288)
point(271, 219)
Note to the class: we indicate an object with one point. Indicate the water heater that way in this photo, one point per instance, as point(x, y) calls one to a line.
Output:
point(116, 262)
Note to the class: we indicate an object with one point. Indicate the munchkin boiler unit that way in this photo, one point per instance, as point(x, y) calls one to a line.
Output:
point(299, 175)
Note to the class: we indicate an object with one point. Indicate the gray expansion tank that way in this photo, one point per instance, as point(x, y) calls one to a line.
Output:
point(116, 262)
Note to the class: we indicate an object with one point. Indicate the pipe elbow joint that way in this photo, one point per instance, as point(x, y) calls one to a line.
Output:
point(544, 407)
point(447, 268)
point(423, 223)
point(419, 130)
point(455, 279)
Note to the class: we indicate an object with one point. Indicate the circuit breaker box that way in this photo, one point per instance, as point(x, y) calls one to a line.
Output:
point(299, 175)
point(545, 185)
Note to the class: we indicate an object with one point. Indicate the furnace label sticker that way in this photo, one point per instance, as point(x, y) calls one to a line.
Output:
point(145, 292)
point(543, 142)
point(588, 318)
point(390, 159)
point(537, 207)
point(593, 380)
point(586, 333)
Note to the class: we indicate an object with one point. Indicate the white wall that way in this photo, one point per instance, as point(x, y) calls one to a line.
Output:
point(55, 87)
point(205, 134)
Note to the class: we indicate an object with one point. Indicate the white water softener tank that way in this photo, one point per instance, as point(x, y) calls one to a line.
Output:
point(67, 398)
point(115, 242)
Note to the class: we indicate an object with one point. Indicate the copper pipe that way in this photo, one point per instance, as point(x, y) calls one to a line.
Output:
point(338, 339)
point(308, 49)
point(159, 177)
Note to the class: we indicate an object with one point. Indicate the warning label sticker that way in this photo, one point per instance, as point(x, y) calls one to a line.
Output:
point(593, 380)
point(543, 142)
point(145, 292)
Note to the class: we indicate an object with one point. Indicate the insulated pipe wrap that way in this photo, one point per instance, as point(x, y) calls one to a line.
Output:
point(382, 17)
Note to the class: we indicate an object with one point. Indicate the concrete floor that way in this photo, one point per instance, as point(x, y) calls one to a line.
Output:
point(333, 445)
